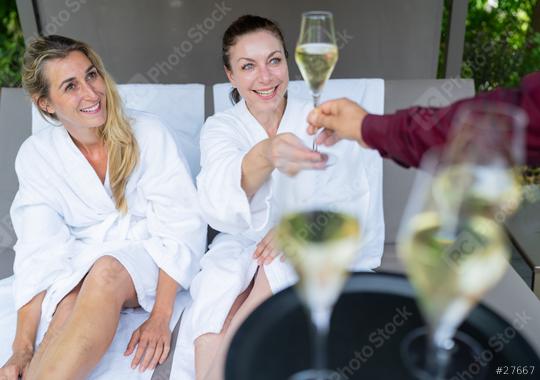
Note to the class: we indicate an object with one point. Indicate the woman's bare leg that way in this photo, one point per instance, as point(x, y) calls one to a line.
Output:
point(206, 345)
point(62, 313)
point(89, 331)
point(261, 291)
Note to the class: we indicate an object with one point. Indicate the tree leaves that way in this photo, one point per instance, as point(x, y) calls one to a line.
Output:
point(500, 44)
point(11, 45)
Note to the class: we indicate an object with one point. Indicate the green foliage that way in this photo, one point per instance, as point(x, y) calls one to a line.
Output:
point(500, 44)
point(444, 39)
point(11, 45)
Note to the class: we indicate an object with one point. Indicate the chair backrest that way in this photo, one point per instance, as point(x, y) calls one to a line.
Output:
point(179, 106)
point(368, 92)
point(399, 94)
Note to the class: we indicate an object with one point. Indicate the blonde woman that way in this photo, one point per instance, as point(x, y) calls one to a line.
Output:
point(106, 218)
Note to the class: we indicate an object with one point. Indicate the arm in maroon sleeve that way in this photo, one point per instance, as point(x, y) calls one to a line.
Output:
point(407, 134)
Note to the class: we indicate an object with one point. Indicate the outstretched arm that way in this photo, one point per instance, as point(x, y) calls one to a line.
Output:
point(407, 134)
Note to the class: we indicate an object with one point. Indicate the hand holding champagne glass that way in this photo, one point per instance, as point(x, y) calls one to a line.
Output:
point(316, 52)
point(451, 241)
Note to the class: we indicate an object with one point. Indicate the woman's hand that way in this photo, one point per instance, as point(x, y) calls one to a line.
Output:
point(23, 345)
point(266, 252)
point(284, 152)
point(289, 155)
point(16, 365)
point(153, 340)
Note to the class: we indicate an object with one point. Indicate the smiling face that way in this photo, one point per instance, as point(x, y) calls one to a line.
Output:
point(77, 92)
point(259, 70)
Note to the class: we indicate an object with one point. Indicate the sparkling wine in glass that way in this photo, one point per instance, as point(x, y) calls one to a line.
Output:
point(316, 52)
point(321, 239)
point(451, 239)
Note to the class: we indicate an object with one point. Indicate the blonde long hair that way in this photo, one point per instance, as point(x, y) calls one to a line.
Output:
point(116, 133)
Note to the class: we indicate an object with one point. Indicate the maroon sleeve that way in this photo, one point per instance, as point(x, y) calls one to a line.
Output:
point(407, 134)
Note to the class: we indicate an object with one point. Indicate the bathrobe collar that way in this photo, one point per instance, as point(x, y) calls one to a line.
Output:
point(259, 131)
point(82, 176)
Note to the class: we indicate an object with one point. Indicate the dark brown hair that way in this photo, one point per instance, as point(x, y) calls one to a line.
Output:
point(244, 25)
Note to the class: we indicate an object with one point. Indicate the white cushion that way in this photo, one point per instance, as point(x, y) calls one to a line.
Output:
point(179, 106)
point(367, 92)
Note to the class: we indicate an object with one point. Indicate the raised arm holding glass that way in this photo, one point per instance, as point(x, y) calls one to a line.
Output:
point(407, 134)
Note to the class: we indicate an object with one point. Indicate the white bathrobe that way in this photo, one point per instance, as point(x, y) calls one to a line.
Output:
point(228, 267)
point(65, 218)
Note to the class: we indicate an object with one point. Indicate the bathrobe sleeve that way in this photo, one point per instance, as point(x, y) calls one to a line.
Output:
point(178, 232)
point(44, 243)
point(224, 203)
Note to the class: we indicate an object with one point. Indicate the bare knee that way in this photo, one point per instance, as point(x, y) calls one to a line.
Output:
point(109, 277)
point(208, 340)
point(107, 272)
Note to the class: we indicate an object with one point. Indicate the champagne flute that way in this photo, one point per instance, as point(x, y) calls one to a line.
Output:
point(451, 239)
point(316, 53)
point(320, 238)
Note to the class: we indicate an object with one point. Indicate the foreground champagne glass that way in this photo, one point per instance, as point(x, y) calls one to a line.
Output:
point(451, 239)
point(321, 240)
point(316, 52)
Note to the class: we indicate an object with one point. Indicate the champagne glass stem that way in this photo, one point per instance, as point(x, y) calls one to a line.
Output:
point(316, 98)
point(321, 324)
point(438, 356)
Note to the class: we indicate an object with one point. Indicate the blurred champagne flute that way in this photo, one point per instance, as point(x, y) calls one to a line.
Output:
point(320, 238)
point(451, 239)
